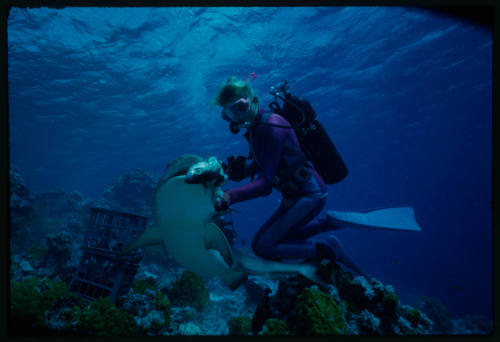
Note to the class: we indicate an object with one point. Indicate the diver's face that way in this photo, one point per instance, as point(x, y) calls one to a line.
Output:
point(236, 111)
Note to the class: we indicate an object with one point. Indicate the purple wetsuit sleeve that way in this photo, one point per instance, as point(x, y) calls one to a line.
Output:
point(267, 144)
point(259, 187)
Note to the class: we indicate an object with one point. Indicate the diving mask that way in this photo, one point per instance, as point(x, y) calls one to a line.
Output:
point(236, 111)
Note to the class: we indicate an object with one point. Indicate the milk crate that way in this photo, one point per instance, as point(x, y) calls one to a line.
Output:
point(102, 272)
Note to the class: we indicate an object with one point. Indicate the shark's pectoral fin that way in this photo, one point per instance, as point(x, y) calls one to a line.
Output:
point(150, 237)
point(232, 277)
point(215, 239)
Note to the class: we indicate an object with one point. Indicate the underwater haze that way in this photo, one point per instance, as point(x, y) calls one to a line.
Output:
point(405, 94)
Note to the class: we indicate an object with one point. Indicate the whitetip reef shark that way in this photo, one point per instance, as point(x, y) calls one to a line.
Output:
point(182, 216)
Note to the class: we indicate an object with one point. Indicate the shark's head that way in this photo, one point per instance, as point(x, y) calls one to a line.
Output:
point(198, 173)
point(206, 171)
point(179, 166)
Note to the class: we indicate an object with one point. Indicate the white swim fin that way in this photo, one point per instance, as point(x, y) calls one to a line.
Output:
point(402, 218)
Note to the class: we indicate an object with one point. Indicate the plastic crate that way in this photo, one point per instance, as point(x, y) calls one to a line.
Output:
point(102, 271)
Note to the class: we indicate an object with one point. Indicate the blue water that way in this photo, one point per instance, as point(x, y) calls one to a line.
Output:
point(406, 95)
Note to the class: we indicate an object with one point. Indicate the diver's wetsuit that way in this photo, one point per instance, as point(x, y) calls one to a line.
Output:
point(284, 235)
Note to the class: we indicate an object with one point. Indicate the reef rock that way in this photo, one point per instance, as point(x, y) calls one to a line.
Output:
point(138, 304)
point(366, 323)
point(21, 208)
point(189, 329)
point(190, 290)
point(26, 267)
point(473, 324)
point(59, 246)
point(57, 203)
point(349, 305)
point(255, 290)
point(59, 260)
point(151, 309)
point(21, 198)
point(437, 313)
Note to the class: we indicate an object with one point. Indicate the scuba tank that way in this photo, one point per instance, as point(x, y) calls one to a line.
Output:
point(313, 138)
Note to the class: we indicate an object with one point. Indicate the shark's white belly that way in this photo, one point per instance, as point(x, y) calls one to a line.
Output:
point(183, 223)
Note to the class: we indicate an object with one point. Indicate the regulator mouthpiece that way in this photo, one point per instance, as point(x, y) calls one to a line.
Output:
point(234, 127)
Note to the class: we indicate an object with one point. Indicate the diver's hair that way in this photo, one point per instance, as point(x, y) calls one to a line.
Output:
point(235, 89)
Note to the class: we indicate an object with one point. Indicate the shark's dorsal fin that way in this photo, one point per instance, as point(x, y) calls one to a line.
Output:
point(215, 239)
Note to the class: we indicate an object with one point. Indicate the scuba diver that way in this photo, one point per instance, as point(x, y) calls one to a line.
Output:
point(291, 152)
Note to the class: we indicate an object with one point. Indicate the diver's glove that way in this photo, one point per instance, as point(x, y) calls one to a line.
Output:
point(238, 168)
point(223, 203)
point(235, 168)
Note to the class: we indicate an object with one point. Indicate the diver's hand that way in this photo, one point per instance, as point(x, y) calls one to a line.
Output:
point(223, 203)
point(235, 167)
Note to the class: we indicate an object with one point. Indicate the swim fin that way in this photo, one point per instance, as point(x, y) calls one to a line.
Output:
point(402, 218)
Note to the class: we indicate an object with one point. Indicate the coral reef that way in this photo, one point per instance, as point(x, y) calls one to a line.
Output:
point(355, 306)
point(34, 215)
point(181, 315)
point(59, 245)
point(150, 308)
point(297, 307)
point(25, 267)
point(224, 304)
point(52, 258)
point(44, 306)
point(29, 300)
point(162, 276)
point(60, 317)
point(318, 314)
point(102, 318)
point(21, 198)
point(141, 285)
point(240, 325)
point(163, 305)
point(390, 303)
point(189, 290)
point(37, 253)
point(473, 324)
point(189, 329)
point(255, 292)
point(48, 229)
point(415, 317)
point(275, 327)
point(21, 208)
point(437, 313)
point(413, 321)
point(56, 202)
point(59, 261)
point(366, 323)
point(262, 313)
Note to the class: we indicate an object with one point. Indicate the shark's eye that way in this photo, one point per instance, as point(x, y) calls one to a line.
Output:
point(197, 171)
